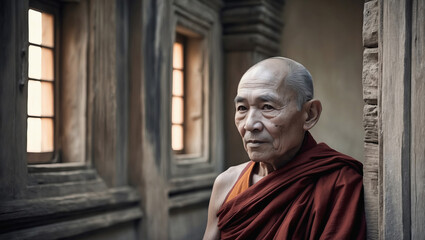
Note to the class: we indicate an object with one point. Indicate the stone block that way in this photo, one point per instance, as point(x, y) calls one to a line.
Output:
point(370, 123)
point(371, 166)
point(370, 24)
point(371, 189)
point(370, 75)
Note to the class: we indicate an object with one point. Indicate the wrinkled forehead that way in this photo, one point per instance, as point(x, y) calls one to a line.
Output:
point(270, 72)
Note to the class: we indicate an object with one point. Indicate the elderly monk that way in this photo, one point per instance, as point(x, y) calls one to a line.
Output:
point(292, 187)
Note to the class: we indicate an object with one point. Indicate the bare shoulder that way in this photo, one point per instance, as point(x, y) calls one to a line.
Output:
point(222, 185)
point(229, 176)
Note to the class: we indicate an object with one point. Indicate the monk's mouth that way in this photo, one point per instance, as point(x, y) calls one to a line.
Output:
point(253, 143)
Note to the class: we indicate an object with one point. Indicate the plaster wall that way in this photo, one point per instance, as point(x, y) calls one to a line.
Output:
point(326, 37)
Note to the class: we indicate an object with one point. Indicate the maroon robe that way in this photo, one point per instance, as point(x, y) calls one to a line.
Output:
point(318, 195)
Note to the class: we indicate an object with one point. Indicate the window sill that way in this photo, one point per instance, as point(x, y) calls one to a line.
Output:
point(190, 190)
point(189, 199)
point(69, 215)
point(64, 200)
point(50, 167)
point(61, 179)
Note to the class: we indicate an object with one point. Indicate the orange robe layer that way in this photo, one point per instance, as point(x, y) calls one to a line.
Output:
point(318, 195)
point(242, 183)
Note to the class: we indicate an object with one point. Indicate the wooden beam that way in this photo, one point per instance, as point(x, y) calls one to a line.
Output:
point(73, 81)
point(63, 229)
point(102, 90)
point(396, 119)
point(418, 119)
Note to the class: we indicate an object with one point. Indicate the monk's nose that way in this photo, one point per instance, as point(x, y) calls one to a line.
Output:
point(253, 121)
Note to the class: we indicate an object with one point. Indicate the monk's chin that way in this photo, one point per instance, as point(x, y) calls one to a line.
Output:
point(260, 154)
point(257, 159)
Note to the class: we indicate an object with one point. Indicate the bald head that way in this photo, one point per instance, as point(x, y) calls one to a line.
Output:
point(282, 72)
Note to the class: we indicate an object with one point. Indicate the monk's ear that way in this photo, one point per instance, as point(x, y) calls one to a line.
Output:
point(313, 109)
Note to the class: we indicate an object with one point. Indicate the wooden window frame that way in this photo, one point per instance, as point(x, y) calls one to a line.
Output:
point(195, 171)
point(194, 42)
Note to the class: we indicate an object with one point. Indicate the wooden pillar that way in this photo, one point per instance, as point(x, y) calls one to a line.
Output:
point(396, 118)
point(13, 92)
point(418, 118)
point(147, 61)
point(107, 91)
point(73, 82)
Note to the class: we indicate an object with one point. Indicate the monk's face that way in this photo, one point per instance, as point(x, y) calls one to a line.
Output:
point(266, 115)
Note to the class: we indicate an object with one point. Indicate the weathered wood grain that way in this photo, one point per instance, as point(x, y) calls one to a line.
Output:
point(63, 189)
point(186, 200)
point(57, 167)
point(396, 119)
point(102, 103)
point(14, 212)
point(418, 120)
point(73, 82)
point(68, 228)
point(61, 177)
point(13, 96)
point(142, 149)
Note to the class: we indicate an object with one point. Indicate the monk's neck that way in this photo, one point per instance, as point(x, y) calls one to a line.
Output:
point(260, 170)
point(264, 169)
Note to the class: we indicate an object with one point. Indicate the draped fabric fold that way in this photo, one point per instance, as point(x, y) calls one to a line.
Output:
point(318, 195)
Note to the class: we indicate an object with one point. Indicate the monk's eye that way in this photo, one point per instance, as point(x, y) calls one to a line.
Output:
point(241, 108)
point(268, 107)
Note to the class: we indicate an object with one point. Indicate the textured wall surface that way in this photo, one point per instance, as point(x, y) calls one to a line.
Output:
point(327, 39)
point(371, 71)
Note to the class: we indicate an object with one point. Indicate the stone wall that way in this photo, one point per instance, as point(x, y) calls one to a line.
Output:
point(371, 68)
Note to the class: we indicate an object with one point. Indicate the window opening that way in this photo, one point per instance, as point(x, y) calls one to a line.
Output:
point(188, 100)
point(41, 86)
point(178, 98)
